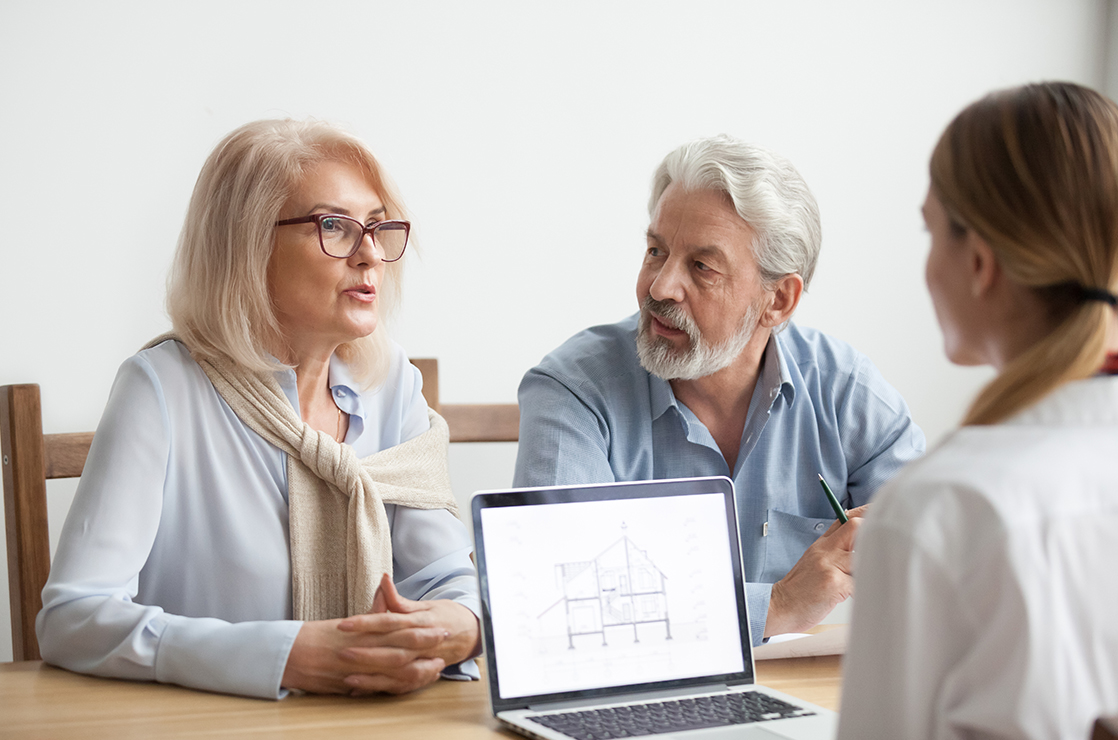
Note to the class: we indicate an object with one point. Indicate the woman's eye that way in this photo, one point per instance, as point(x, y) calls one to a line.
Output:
point(331, 224)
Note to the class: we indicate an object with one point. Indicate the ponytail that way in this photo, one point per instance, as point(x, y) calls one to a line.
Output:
point(1034, 171)
point(1075, 350)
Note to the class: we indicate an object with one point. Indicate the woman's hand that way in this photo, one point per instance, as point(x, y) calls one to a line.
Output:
point(402, 622)
point(400, 646)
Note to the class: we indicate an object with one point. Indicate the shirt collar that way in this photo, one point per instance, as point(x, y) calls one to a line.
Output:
point(661, 396)
point(775, 375)
point(346, 393)
point(347, 396)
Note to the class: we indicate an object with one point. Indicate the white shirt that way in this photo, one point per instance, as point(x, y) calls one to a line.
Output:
point(987, 580)
point(174, 564)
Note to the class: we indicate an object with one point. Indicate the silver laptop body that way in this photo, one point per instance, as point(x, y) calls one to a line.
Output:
point(619, 596)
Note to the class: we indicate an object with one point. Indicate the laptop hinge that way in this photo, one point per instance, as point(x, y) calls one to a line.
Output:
point(630, 698)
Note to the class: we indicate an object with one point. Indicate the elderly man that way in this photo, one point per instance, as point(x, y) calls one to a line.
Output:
point(711, 378)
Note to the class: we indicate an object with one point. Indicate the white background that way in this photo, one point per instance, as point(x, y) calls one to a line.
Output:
point(522, 136)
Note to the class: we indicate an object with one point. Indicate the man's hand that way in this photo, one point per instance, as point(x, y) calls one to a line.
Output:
point(399, 646)
point(821, 580)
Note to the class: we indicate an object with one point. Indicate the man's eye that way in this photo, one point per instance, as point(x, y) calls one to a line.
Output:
point(653, 252)
point(702, 267)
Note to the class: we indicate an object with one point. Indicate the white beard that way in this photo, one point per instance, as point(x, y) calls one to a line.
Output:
point(700, 359)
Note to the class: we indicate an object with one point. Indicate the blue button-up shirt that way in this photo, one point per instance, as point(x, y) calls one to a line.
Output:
point(589, 413)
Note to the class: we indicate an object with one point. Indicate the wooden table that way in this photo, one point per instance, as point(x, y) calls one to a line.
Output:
point(40, 701)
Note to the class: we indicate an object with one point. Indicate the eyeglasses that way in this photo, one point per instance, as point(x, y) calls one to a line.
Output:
point(340, 236)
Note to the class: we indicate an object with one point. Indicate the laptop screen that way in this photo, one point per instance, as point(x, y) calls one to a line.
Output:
point(598, 587)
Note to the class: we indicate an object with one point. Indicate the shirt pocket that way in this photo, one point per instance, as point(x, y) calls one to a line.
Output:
point(788, 537)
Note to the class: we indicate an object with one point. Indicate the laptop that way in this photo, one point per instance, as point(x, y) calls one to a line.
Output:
point(618, 610)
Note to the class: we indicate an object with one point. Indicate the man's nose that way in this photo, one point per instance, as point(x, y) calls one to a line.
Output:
point(668, 285)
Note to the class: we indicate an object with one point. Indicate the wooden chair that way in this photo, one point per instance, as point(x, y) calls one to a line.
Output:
point(30, 458)
point(487, 422)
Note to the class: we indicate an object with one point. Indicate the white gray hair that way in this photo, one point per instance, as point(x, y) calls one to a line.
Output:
point(767, 192)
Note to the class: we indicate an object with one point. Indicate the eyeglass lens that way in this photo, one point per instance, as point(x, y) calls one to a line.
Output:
point(341, 237)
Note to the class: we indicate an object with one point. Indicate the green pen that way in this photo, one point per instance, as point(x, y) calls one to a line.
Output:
point(834, 501)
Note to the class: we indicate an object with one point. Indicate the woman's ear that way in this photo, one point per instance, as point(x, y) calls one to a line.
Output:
point(985, 272)
point(785, 297)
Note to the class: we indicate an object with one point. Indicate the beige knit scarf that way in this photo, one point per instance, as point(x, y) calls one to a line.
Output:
point(340, 539)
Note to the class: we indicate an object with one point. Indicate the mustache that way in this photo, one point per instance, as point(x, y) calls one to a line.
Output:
point(672, 314)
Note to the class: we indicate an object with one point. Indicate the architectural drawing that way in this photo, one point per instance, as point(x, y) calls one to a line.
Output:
point(620, 587)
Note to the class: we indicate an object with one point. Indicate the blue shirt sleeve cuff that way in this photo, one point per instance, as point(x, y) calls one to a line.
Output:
point(246, 658)
point(757, 597)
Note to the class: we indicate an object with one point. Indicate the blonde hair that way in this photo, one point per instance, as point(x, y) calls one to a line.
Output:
point(1034, 171)
point(217, 292)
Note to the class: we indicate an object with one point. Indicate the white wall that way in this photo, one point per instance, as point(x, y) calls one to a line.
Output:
point(523, 137)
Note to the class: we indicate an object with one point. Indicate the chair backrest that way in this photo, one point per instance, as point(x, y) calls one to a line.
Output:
point(1106, 728)
point(486, 422)
point(30, 458)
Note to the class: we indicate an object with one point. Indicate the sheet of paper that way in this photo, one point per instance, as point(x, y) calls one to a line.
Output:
point(830, 641)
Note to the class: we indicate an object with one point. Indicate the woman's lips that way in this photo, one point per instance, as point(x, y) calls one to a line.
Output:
point(363, 293)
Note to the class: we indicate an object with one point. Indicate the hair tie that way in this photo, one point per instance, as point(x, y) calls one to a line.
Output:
point(1097, 294)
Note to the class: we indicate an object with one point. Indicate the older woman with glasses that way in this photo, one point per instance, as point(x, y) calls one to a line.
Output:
point(266, 503)
point(987, 601)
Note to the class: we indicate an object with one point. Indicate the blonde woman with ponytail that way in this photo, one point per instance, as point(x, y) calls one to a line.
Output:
point(988, 571)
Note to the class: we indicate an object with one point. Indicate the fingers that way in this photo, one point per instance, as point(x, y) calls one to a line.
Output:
point(386, 622)
point(410, 676)
point(861, 511)
point(843, 562)
point(851, 514)
point(841, 535)
point(388, 599)
point(322, 656)
point(436, 628)
point(845, 536)
point(380, 602)
point(396, 602)
point(421, 639)
point(379, 659)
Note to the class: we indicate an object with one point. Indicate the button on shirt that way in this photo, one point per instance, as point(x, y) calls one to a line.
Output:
point(174, 565)
point(589, 413)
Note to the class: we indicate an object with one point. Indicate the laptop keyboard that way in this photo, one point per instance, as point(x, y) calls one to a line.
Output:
point(677, 715)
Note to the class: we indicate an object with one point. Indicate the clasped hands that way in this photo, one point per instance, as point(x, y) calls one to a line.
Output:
point(399, 646)
point(819, 581)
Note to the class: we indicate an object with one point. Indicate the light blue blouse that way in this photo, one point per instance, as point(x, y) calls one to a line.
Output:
point(174, 563)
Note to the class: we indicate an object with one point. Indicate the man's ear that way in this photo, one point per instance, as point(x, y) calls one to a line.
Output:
point(985, 272)
point(785, 296)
